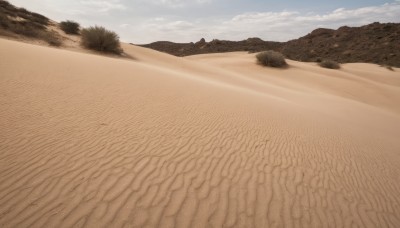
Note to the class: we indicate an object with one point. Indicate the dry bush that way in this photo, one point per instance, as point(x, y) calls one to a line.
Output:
point(330, 64)
point(6, 6)
point(23, 28)
point(51, 38)
point(8, 9)
point(21, 21)
point(100, 39)
point(38, 18)
point(271, 59)
point(27, 28)
point(387, 67)
point(70, 27)
point(4, 21)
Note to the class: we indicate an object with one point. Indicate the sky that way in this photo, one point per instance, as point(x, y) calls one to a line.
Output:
point(145, 21)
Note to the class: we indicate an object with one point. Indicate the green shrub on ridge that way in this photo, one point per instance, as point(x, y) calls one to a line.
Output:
point(70, 27)
point(100, 39)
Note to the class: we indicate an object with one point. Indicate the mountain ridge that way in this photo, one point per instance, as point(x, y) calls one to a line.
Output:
point(377, 43)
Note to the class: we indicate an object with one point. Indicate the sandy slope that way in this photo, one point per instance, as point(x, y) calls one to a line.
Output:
point(203, 141)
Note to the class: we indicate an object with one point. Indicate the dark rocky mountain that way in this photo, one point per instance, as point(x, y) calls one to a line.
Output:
point(374, 43)
point(215, 46)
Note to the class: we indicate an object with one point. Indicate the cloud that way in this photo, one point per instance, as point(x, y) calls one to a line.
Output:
point(277, 26)
point(387, 12)
point(144, 21)
point(179, 3)
point(103, 5)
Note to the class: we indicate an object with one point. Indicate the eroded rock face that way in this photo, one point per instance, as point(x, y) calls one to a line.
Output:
point(374, 43)
point(201, 42)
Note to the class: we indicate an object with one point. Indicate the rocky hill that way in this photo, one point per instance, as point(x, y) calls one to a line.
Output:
point(215, 46)
point(374, 43)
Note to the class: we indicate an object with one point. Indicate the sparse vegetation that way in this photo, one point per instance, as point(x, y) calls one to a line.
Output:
point(28, 29)
point(16, 21)
point(272, 59)
point(388, 67)
point(100, 39)
point(52, 38)
point(25, 28)
point(3, 20)
point(9, 11)
point(330, 64)
point(70, 27)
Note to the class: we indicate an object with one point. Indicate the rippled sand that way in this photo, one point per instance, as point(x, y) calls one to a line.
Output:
point(203, 141)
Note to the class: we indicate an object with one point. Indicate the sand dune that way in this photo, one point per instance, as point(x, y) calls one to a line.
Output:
point(203, 141)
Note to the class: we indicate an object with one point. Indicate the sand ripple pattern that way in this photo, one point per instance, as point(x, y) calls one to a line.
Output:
point(88, 141)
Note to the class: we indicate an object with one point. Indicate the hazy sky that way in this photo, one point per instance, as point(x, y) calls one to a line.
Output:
point(144, 21)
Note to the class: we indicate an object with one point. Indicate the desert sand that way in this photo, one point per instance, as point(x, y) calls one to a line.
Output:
point(203, 141)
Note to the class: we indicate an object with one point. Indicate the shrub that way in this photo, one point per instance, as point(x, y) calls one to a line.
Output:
point(33, 25)
point(330, 64)
point(70, 27)
point(51, 38)
point(25, 29)
point(39, 18)
point(390, 68)
point(271, 58)
point(387, 67)
point(4, 21)
point(30, 16)
point(101, 39)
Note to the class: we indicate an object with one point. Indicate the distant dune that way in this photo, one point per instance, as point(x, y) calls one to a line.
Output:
point(204, 141)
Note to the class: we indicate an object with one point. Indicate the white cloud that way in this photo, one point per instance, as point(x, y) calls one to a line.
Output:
point(179, 3)
point(386, 12)
point(124, 26)
point(103, 5)
point(144, 21)
point(277, 26)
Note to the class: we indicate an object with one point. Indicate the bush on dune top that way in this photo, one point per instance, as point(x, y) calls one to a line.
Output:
point(100, 39)
point(271, 59)
point(70, 27)
point(330, 64)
